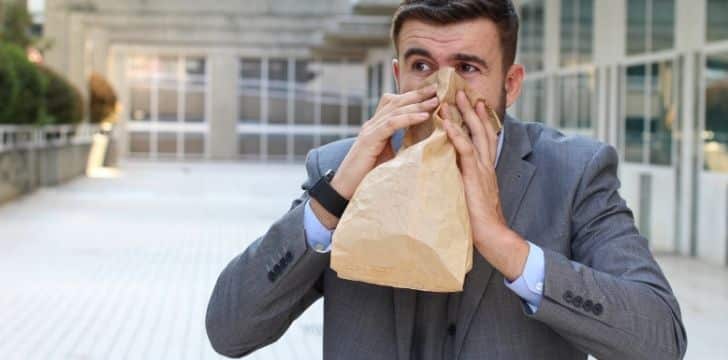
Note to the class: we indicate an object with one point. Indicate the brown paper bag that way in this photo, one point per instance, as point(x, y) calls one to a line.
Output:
point(407, 224)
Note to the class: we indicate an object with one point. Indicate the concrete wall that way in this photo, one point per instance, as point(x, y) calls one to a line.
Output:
point(24, 170)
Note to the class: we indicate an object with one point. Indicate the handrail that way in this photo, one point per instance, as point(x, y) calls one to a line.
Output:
point(14, 137)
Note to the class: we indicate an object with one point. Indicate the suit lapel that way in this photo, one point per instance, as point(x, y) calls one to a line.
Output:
point(514, 175)
point(404, 320)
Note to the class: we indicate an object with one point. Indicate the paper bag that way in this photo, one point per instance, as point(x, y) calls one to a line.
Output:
point(407, 224)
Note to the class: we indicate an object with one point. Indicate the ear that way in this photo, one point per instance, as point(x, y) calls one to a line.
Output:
point(395, 71)
point(514, 83)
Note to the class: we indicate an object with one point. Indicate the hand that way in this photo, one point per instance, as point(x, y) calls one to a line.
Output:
point(371, 147)
point(498, 244)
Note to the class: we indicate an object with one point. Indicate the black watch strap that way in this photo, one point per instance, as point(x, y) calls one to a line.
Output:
point(331, 200)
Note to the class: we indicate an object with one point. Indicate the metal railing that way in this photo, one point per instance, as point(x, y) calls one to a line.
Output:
point(15, 137)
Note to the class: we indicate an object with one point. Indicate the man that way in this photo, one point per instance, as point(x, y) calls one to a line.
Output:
point(560, 270)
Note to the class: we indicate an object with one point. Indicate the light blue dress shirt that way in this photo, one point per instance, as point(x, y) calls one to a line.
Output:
point(529, 286)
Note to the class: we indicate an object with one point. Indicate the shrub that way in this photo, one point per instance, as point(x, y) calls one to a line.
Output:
point(64, 104)
point(26, 87)
point(103, 98)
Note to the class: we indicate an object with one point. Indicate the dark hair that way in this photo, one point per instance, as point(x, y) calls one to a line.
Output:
point(443, 12)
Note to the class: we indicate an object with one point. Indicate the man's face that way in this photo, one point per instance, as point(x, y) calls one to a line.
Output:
point(472, 48)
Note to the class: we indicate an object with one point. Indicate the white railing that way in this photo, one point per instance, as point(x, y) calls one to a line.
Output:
point(13, 137)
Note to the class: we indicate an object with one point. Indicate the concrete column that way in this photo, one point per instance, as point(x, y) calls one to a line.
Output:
point(552, 43)
point(610, 38)
point(690, 30)
point(222, 136)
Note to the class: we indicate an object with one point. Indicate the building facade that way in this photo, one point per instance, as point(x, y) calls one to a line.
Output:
point(268, 80)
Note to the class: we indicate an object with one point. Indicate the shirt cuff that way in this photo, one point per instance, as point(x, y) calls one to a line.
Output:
point(318, 236)
point(529, 286)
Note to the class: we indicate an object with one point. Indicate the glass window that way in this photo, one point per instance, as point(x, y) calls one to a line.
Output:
point(650, 25)
point(375, 84)
point(302, 144)
point(354, 107)
point(139, 143)
point(329, 138)
point(304, 106)
point(715, 137)
point(532, 35)
point(636, 26)
point(167, 143)
point(249, 91)
point(140, 98)
point(278, 91)
point(194, 107)
point(277, 146)
point(531, 105)
point(650, 111)
point(635, 100)
point(663, 112)
point(249, 145)
point(194, 144)
point(577, 31)
point(577, 103)
point(717, 20)
point(167, 105)
point(195, 72)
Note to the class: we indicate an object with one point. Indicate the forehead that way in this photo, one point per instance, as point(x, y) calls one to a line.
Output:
point(477, 36)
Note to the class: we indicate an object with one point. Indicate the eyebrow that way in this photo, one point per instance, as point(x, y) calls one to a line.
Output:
point(459, 57)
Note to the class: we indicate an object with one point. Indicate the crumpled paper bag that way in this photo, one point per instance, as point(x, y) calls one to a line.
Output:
point(407, 224)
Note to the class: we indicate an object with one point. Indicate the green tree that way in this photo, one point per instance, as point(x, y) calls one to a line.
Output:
point(16, 25)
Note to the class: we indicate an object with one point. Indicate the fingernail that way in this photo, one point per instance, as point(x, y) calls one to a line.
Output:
point(433, 101)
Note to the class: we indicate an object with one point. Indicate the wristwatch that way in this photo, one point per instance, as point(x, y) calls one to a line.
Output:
point(329, 198)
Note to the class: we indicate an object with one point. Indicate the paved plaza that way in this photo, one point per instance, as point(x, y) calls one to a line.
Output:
point(122, 267)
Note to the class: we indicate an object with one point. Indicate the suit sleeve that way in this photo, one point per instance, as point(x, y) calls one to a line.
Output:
point(610, 298)
point(261, 291)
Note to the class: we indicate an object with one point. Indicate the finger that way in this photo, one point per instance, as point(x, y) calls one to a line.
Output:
point(425, 106)
point(486, 114)
point(389, 126)
point(414, 96)
point(475, 123)
point(464, 147)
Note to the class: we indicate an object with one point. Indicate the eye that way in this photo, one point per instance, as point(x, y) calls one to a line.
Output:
point(421, 66)
point(467, 68)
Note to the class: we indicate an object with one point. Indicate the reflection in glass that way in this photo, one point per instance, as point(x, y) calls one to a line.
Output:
point(636, 26)
point(650, 111)
point(663, 24)
point(354, 107)
point(650, 25)
point(635, 102)
point(328, 138)
point(576, 101)
point(531, 104)
point(662, 112)
point(577, 31)
point(717, 20)
point(532, 35)
point(715, 137)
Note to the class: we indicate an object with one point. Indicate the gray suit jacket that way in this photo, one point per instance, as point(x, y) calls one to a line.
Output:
point(558, 192)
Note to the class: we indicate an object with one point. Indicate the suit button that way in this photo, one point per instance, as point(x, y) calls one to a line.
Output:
point(568, 296)
point(588, 305)
point(289, 256)
point(577, 301)
point(272, 276)
point(283, 262)
point(451, 329)
point(277, 268)
point(597, 309)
